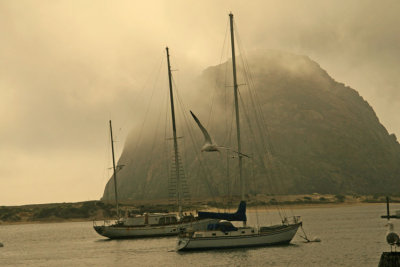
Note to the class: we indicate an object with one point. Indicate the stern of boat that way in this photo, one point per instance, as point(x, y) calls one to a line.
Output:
point(292, 220)
point(182, 243)
point(100, 229)
point(184, 239)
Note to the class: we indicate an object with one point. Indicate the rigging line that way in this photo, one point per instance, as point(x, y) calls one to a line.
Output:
point(146, 111)
point(227, 180)
point(226, 109)
point(199, 159)
point(168, 149)
point(139, 95)
point(107, 154)
point(235, 181)
point(252, 133)
point(217, 76)
point(229, 136)
point(229, 109)
point(215, 85)
point(190, 132)
point(228, 124)
point(225, 38)
point(247, 117)
point(185, 117)
point(135, 171)
point(211, 107)
point(244, 108)
point(106, 173)
point(149, 162)
point(140, 138)
point(254, 181)
point(250, 81)
point(231, 105)
point(181, 114)
point(178, 156)
point(261, 125)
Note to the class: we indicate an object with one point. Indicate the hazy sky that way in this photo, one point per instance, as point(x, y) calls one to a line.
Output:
point(68, 66)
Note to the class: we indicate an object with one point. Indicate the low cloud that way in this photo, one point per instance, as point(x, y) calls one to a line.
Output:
point(67, 67)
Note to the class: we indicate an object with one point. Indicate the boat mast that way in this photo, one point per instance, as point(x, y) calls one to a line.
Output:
point(177, 167)
point(235, 88)
point(115, 173)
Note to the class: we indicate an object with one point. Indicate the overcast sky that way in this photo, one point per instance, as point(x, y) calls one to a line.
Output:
point(68, 66)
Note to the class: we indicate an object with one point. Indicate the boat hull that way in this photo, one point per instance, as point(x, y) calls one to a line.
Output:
point(120, 232)
point(235, 239)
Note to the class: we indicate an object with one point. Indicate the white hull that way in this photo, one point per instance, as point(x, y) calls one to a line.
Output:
point(243, 237)
point(114, 231)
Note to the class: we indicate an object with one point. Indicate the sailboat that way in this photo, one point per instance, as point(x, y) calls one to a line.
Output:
point(224, 234)
point(154, 224)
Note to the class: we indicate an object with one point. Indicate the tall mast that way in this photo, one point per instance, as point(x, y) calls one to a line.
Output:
point(115, 173)
point(177, 167)
point(235, 87)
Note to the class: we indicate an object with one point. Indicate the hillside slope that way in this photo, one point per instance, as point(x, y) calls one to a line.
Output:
point(321, 136)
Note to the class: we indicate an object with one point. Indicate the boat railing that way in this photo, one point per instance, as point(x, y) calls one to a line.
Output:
point(185, 233)
point(291, 220)
point(104, 222)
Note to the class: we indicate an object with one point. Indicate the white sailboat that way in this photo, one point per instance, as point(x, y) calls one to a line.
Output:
point(224, 234)
point(154, 224)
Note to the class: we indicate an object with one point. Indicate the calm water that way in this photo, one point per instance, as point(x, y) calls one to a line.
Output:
point(351, 236)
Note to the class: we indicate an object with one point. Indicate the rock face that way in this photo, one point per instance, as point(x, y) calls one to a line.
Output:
point(316, 135)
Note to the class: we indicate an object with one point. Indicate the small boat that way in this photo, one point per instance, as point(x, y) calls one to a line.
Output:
point(150, 225)
point(153, 224)
point(224, 234)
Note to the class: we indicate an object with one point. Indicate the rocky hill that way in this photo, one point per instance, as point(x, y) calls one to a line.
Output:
point(316, 135)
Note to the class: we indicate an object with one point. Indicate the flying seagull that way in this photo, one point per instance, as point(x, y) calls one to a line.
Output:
point(209, 144)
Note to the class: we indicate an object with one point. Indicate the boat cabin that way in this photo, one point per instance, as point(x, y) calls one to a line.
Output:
point(151, 219)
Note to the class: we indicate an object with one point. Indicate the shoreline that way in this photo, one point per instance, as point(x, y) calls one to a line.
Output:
point(249, 208)
point(318, 205)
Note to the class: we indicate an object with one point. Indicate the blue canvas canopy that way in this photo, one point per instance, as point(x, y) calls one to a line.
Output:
point(221, 226)
point(239, 215)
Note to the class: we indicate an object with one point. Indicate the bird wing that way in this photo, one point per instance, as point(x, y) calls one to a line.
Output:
point(237, 152)
point(204, 131)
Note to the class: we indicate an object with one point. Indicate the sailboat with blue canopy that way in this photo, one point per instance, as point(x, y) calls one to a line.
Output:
point(224, 234)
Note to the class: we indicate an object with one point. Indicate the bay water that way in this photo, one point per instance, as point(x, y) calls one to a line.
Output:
point(350, 236)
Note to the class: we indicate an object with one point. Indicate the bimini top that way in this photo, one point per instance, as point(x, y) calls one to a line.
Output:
point(239, 215)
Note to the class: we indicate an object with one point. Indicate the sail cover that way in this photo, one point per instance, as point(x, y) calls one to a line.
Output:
point(239, 215)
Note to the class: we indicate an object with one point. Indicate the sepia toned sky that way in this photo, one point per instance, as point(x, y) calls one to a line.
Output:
point(68, 66)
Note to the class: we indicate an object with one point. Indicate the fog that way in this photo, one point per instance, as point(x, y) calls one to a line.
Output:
point(67, 67)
